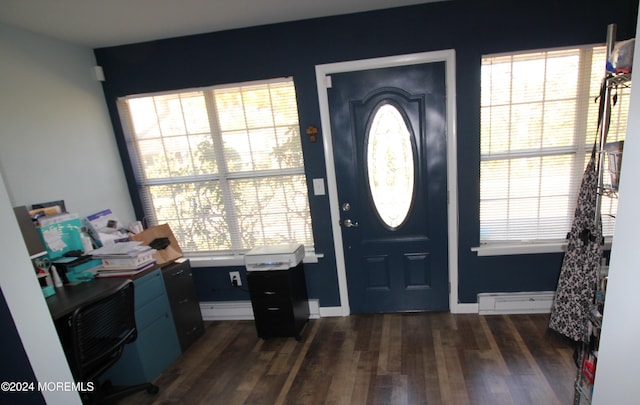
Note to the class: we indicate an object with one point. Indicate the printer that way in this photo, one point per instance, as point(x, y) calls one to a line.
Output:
point(274, 257)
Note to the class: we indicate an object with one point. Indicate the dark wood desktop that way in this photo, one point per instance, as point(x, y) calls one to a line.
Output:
point(69, 297)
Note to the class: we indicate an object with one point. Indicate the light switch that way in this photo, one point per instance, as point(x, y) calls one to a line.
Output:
point(318, 187)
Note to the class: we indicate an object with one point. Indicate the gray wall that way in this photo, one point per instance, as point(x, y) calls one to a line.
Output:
point(57, 141)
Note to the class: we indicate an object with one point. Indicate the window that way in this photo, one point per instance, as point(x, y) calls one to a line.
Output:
point(390, 170)
point(539, 115)
point(222, 166)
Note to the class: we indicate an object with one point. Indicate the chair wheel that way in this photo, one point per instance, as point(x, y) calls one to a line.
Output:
point(153, 389)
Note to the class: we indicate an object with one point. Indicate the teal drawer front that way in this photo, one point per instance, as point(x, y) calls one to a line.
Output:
point(157, 344)
point(148, 287)
point(150, 313)
point(143, 361)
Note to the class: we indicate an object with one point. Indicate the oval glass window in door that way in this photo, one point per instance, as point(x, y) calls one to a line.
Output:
point(390, 165)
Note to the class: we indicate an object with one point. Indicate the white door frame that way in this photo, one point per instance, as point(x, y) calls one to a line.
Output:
point(323, 80)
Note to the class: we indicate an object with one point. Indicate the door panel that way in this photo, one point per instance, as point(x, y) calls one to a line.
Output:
point(392, 264)
point(416, 270)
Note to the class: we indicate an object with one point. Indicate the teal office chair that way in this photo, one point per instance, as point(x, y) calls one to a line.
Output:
point(100, 330)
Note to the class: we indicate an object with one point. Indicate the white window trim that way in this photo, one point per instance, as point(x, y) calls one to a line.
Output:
point(238, 260)
point(526, 248)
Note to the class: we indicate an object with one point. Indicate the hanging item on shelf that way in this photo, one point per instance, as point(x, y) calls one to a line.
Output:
point(581, 263)
point(621, 58)
point(614, 157)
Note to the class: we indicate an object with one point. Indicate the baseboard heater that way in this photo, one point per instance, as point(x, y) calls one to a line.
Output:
point(515, 303)
point(241, 310)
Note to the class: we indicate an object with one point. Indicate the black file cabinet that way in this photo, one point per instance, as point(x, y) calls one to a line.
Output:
point(280, 302)
point(184, 302)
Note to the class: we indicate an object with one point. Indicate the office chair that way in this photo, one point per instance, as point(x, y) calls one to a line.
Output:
point(100, 330)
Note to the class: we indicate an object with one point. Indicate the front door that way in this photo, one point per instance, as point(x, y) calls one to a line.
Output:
point(388, 127)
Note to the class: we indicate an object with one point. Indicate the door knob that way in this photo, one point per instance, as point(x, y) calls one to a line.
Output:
point(350, 224)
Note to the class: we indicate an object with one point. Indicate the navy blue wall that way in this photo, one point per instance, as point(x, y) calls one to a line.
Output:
point(472, 28)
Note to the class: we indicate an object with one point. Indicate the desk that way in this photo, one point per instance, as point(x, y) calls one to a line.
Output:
point(70, 296)
point(157, 344)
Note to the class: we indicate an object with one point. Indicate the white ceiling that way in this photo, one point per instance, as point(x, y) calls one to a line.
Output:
point(100, 23)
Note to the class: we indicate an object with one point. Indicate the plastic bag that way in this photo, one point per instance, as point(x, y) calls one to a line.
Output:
point(621, 58)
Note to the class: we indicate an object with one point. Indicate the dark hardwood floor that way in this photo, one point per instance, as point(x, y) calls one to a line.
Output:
point(408, 358)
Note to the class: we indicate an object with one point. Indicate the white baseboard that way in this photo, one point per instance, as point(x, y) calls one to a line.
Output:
point(241, 310)
point(326, 312)
point(465, 309)
point(226, 310)
point(488, 303)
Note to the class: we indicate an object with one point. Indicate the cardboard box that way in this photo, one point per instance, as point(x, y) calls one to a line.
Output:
point(161, 238)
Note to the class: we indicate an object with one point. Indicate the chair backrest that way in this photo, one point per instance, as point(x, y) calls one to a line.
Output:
point(100, 329)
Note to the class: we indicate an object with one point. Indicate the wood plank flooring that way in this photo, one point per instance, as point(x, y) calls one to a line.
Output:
point(407, 358)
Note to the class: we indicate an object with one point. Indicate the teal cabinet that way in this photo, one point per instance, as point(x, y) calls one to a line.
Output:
point(157, 344)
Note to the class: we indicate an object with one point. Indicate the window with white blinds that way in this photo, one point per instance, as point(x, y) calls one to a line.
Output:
point(539, 116)
point(222, 166)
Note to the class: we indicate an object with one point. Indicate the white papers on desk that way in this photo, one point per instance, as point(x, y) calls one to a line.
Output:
point(121, 249)
point(104, 273)
point(124, 257)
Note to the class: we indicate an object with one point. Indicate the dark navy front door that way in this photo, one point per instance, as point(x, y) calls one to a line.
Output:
point(388, 128)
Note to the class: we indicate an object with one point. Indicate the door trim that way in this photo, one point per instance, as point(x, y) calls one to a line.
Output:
point(323, 82)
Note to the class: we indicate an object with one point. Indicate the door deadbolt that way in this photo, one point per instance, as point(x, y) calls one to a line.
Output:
point(350, 224)
point(346, 207)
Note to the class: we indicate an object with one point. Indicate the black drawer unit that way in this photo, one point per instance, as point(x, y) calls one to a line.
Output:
point(280, 302)
point(184, 302)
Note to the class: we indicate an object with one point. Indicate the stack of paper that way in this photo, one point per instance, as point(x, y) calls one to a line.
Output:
point(124, 259)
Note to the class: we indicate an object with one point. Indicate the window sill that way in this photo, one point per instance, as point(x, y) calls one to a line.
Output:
point(526, 248)
point(238, 260)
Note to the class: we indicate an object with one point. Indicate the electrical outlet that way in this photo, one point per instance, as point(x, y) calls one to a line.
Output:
point(234, 276)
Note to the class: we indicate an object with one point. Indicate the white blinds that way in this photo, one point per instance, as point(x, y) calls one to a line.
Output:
point(539, 119)
point(222, 165)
